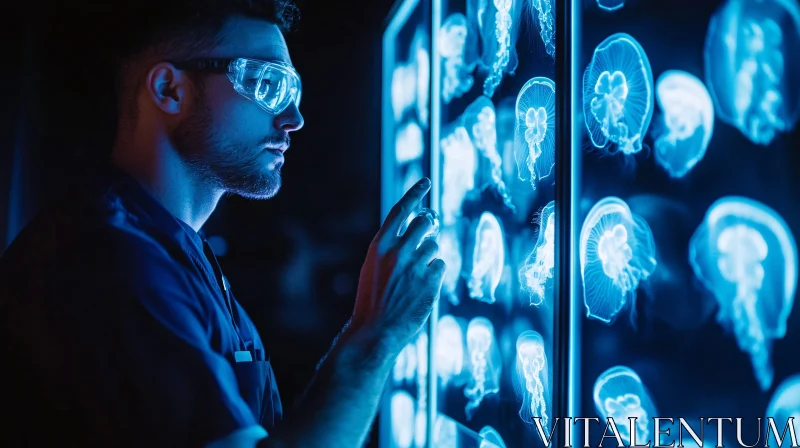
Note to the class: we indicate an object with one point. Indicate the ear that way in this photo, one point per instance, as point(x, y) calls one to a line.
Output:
point(168, 88)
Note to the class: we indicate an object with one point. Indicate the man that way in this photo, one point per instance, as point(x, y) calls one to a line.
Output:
point(118, 325)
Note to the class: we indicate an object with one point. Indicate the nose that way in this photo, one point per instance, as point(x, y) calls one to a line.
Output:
point(290, 119)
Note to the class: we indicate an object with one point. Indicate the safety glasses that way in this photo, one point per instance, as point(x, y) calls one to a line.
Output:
point(271, 85)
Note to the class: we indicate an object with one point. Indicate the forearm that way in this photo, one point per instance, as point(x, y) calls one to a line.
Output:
point(341, 404)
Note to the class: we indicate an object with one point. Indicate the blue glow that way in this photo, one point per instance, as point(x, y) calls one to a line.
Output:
point(688, 122)
point(534, 136)
point(488, 259)
point(445, 433)
point(450, 253)
point(618, 94)
point(620, 394)
point(409, 143)
point(480, 121)
point(402, 407)
point(532, 383)
point(617, 252)
point(745, 254)
point(545, 17)
point(498, 22)
point(459, 167)
point(490, 438)
point(457, 74)
point(421, 60)
point(450, 349)
point(610, 5)
point(746, 68)
point(538, 267)
point(485, 363)
point(405, 367)
point(422, 369)
point(785, 403)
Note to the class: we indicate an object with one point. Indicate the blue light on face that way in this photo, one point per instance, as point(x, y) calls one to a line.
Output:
point(688, 122)
point(456, 73)
point(488, 259)
point(620, 394)
point(618, 94)
point(610, 5)
point(544, 14)
point(538, 267)
point(534, 136)
point(485, 363)
point(617, 252)
point(753, 84)
point(531, 381)
point(745, 254)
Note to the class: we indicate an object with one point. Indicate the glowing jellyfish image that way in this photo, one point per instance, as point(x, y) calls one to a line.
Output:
point(459, 167)
point(422, 369)
point(456, 73)
point(610, 5)
point(485, 363)
point(480, 121)
point(450, 252)
point(785, 404)
point(535, 138)
point(422, 63)
point(488, 259)
point(544, 14)
point(445, 433)
point(688, 122)
point(531, 381)
point(497, 23)
point(745, 255)
point(411, 80)
point(617, 252)
point(620, 394)
point(618, 94)
point(420, 428)
point(449, 349)
point(402, 406)
point(409, 143)
point(490, 438)
point(405, 366)
point(750, 70)
point(538, 267)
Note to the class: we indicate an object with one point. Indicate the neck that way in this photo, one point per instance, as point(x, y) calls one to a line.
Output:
point(159, 169)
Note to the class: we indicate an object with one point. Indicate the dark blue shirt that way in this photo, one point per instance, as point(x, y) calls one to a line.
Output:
point(119, 329)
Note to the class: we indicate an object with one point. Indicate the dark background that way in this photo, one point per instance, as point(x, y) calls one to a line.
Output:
point(293, 261)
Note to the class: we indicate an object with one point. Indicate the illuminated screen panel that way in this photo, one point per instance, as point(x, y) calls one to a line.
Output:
point(495, 154)
point(406, 159)
point(687, 215)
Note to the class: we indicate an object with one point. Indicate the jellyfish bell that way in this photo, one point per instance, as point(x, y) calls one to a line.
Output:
point(619, 394)
point(687, 125)
point(538, 267)
point(402, 408)
point(488, 259)
point(420, 59)
point(752, 79)
point(450, 349)
point(490, 438)
point(785, 404)
point(409, 143)
point(618, 94)
point(672, 296)
point(531, 381)
point(459, 169)
point(535, 140)
point(745, 254)
point(617, 253)
point(450, 252)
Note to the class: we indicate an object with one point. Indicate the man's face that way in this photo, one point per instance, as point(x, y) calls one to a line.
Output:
point(227, 139)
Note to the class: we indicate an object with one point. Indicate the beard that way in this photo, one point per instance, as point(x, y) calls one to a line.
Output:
point(233, 167)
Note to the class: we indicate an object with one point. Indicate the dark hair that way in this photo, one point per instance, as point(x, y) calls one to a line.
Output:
point(179, 29)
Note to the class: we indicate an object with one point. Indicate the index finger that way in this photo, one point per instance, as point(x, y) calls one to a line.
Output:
point(399, 213)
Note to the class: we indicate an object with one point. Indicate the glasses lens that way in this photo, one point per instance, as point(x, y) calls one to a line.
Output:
point(272, 86)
